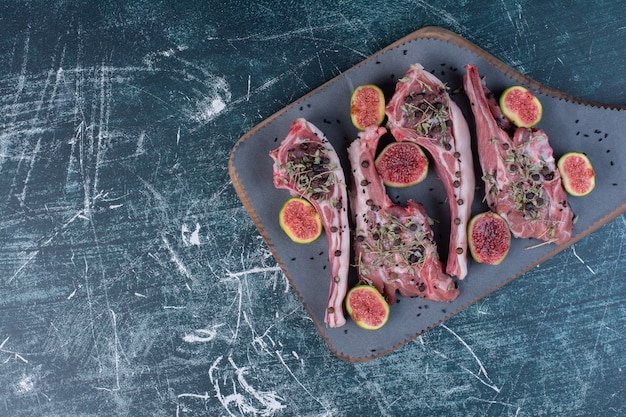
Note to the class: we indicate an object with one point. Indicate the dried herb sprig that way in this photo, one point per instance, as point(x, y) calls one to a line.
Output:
point(428, 116)
point(311, 170)
point(395, 243)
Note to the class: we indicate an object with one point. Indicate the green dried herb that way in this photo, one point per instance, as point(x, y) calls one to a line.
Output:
point(395, 243)
point(311, 170)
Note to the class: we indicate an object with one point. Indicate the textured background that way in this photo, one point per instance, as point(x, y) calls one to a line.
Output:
point(132, 281)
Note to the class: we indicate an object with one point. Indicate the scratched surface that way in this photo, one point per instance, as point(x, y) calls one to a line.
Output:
point(132, 281)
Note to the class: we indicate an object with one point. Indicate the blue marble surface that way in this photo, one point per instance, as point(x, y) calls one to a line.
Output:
point(132, 281)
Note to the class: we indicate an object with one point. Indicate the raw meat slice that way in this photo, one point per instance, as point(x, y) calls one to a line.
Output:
point(394, 246)
point(307, 165)
point(421, 111)
point(522, 182)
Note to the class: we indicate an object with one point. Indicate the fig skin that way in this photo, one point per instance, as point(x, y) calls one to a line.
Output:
point(404, 159)
point(577, 174)
point(525, 110)
point(365, 300)
point(367, 106)
point(313, 217)
point(496, 239)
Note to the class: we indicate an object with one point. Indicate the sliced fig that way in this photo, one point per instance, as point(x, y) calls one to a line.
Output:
point(300, 221)
point(402, 164)
point(367, 307)
point(489, 238)
point(577, 174)
point(367, 106)
point(521, 106)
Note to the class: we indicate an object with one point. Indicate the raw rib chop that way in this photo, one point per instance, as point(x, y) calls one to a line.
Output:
point(421, 111)
point(307, 165)
point(394, 247)
point(522, 183)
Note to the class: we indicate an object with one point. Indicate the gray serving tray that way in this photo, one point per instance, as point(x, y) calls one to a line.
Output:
point(571, 124)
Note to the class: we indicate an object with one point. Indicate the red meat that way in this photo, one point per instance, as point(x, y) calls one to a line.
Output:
point(522, 182)
point(394, 247)
point(421, 111)
point(307, 165)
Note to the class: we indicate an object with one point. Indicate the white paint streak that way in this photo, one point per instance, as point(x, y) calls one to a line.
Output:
point(251, 401)
point(22, 78)
point(581, 261)
point(48, 241)
point(326, 408)
point(13, 354)
point(116, 356)
point(202, 335)
point(174, 258)
point(482, 369)
point(442, 14)
point(248, 92)
point(26, 384)
point(139, 149)
point(24, 264)
point(72, 294)
point(210, 107)
point(190, 238)
point(492, 402)
point(260, 339)
point(33, 158)
point(253, 271)
point(204, 396)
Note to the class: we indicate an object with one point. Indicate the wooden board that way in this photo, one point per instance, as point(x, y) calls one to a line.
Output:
point(572, 124)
